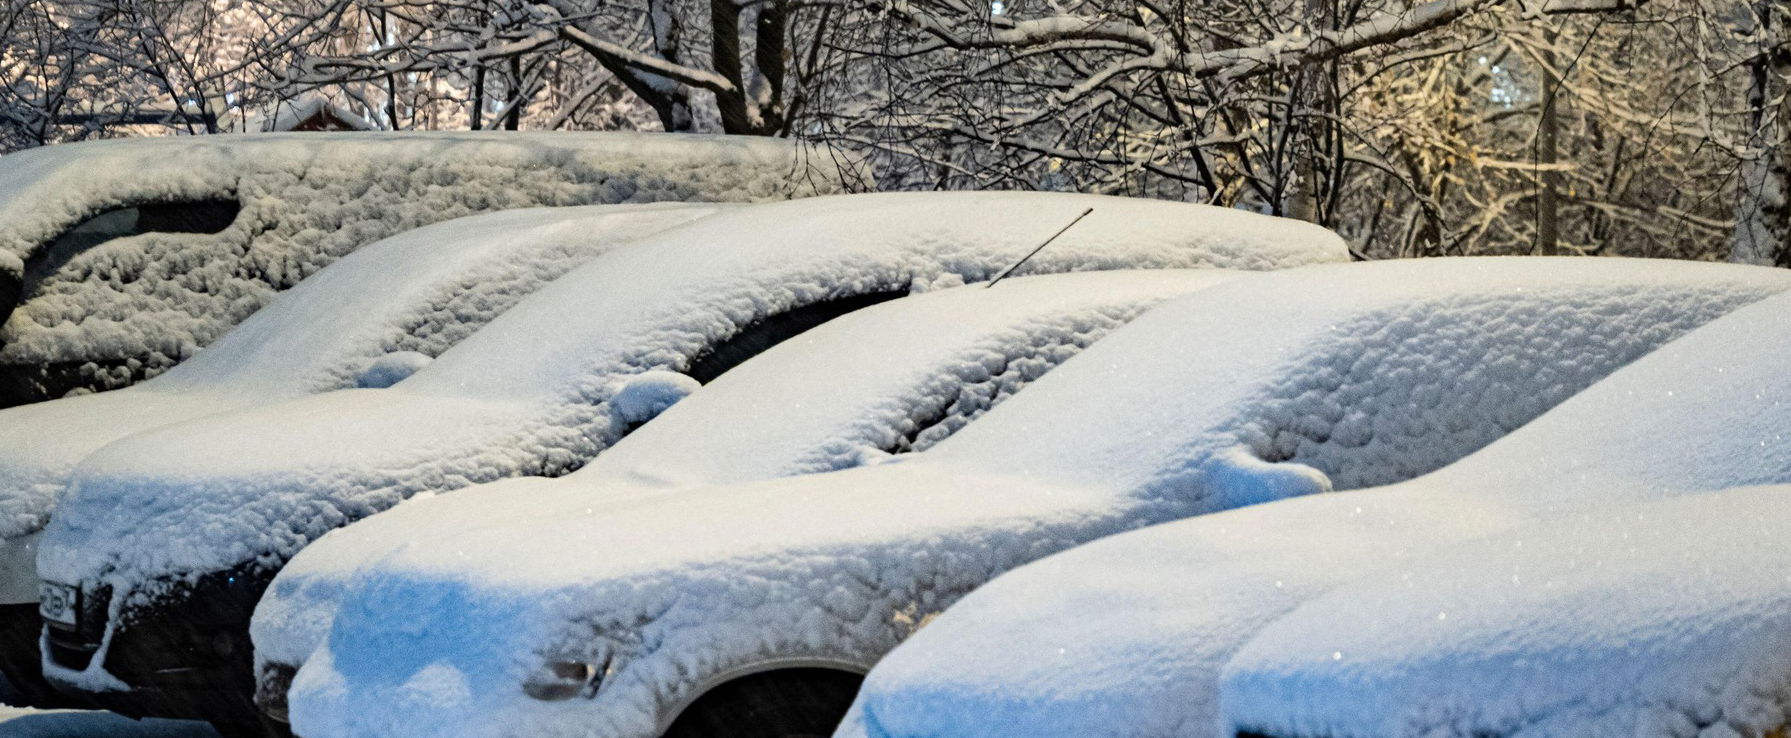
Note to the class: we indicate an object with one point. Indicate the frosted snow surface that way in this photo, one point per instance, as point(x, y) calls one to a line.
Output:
point(1666, 618)
point(1280, 385)
point(887, 380)
point(898, 376)
point(529, 394)
point(1136, 648)
point(410, 296)
point(307, 199)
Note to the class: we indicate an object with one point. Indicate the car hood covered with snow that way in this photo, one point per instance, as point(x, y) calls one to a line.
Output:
point(1138, 646)
point(1664, 618)
point(387, 309)
point(870, 386)
point(536, 392)
point(136, 305)
point(1281, 385)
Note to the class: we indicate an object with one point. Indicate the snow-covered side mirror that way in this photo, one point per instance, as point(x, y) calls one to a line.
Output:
point(644, 396)
point(1239, 477)
point(391, 369)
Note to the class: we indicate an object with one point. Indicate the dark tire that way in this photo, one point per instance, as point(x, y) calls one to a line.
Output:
point(10, 695)
point(788, 703)
point(21, 671)
point(263, 729)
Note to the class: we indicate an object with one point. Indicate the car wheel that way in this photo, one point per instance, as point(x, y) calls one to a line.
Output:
point(787, 703)
point(260, 729)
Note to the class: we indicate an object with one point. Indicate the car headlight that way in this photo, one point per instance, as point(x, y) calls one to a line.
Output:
point(270, 689)
point(563, 680)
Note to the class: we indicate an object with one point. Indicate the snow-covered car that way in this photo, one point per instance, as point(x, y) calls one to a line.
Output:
point(1138, 645)
point(120, 258)
point(887, 380)
point(166, 539)
point(705, 611)
point(366, 321)
point(1657, 619)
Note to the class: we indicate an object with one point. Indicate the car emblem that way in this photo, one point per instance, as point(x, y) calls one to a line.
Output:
point(59, 603)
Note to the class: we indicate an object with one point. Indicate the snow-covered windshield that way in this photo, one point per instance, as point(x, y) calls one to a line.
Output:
point(422, 292)
point(1436, 345)
point(888, 380)
point(368, 320)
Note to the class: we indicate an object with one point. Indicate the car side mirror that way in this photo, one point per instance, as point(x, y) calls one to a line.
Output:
point(642, 397)
point(391, 369)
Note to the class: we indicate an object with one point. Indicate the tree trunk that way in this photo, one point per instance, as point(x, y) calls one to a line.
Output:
point(513, 117)
point(1762, 215)
point(478, 117)
point(1309, 108)
point(1548, 127)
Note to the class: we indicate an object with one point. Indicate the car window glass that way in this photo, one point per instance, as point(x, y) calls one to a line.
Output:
point(767, 332)
point(193, 216)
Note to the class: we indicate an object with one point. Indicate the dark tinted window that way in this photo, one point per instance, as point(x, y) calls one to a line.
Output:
point(771, 331)
point(193, 216)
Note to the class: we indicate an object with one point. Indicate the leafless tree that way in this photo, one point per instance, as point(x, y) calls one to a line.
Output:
point(1413, 127)
point(72, 69)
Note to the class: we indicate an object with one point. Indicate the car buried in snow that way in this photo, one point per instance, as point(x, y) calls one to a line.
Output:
point(730, 609)
point(365, 321)
point(1211, 628)
point(884, 381)
point(165, 540)
point(120, 258)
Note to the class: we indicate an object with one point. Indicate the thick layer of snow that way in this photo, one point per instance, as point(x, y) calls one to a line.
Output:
point(1664, 619)
point(1163, 419)
point(890, 379)
point(529, 395)
point(22, 723)
point(1137, 646)
point(841, 395)
point(411, 296)
point(308, 199)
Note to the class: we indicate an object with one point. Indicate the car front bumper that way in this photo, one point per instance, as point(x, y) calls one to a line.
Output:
point(184, 655)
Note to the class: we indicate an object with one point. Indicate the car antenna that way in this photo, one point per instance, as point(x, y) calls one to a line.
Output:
point(1041, 247)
